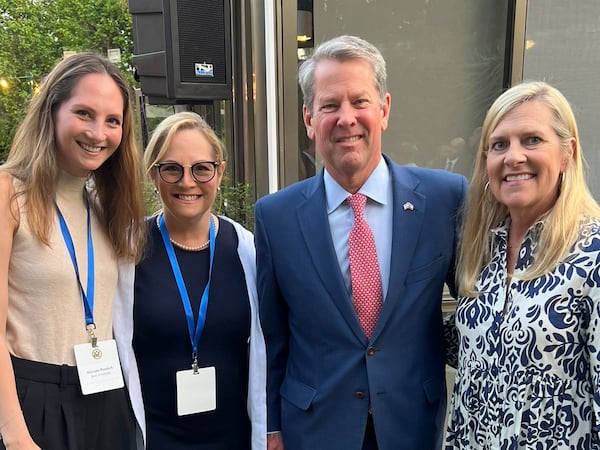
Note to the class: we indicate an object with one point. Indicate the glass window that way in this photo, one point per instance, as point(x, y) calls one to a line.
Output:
point(445, 61)
point(562, 49)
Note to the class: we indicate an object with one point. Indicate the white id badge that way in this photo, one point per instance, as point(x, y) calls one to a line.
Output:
point(196, 392)
point(98, 367)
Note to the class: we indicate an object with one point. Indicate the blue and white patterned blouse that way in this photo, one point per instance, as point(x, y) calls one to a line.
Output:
point(529, 378)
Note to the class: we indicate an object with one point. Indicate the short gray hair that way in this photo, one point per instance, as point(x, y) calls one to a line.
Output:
point(342, 48)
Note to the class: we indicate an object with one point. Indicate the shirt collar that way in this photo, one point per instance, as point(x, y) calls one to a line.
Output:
point(374, 188)
point(502, 229)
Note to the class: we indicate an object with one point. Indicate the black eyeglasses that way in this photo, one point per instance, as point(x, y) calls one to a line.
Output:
point(202, 172)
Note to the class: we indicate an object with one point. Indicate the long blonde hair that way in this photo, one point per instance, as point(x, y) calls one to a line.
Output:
point(117, 183)
point(483, 212)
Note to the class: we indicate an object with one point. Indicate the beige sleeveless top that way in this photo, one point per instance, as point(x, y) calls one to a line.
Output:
point(46, 316)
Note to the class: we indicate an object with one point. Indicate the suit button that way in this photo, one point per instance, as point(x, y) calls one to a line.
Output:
point(371, 351)
point(359, 395)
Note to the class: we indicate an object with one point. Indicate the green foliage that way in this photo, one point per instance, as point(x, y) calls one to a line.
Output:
point(236, 202)
point(33, 36)
point(151, 199)
point(233, 200)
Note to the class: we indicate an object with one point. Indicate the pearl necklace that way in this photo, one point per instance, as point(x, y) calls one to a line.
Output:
point(187, 247)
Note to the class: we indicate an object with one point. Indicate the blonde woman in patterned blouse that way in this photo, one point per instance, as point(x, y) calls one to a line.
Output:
point(528, 313)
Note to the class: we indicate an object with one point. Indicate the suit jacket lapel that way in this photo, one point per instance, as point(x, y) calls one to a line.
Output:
point(314, 224)
point(406, 227)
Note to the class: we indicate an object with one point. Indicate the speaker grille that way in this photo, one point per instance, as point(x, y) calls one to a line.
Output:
point(202, 40)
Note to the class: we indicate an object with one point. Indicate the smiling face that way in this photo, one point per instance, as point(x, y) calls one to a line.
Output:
point(347, 120)
point(187, 199)
point(525, 161)
point(89, 124)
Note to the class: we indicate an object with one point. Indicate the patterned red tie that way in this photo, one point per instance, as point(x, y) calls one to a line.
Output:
point(367, 294)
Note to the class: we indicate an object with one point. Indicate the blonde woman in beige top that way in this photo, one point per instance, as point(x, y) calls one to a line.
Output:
point(71, 229)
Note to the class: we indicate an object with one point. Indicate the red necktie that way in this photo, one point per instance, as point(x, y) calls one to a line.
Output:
point(367, 294)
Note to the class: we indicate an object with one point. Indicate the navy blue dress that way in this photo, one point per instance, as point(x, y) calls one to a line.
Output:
point(162, 343)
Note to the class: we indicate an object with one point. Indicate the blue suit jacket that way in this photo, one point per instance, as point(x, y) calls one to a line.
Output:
point(321, 369)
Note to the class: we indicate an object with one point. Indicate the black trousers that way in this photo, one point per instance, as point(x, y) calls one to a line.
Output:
point(60, 417)
point(370, 442)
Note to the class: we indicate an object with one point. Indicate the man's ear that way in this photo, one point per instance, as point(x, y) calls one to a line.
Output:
point(307, 116)
point(385, 111)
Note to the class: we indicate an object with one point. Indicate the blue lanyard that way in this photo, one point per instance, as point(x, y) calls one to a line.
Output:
point(196, 329)
point(88, 297)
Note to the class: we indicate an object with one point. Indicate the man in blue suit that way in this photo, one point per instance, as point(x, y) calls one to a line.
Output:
point(329, 387)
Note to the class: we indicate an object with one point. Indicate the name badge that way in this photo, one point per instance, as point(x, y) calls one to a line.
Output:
point(196, 392)
point(98, 367)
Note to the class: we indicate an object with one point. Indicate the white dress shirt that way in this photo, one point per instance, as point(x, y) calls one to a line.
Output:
point(378, 214)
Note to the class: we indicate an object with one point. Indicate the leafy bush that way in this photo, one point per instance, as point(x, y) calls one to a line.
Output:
point(235, 201)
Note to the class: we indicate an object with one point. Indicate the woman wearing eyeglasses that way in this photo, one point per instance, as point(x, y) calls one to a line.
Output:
point(197, 339)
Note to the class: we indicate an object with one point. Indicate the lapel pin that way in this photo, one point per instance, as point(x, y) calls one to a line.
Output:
point(408, 206)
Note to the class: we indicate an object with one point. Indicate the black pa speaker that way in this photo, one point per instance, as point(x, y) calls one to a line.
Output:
point(182, 49)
